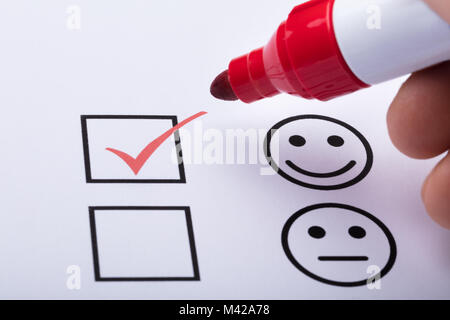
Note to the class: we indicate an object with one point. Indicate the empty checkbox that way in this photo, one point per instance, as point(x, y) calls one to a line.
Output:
point(143, 244)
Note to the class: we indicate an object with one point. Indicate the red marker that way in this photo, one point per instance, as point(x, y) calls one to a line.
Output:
point(329, 48)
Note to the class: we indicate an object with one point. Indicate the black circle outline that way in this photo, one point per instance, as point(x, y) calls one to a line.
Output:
point(383, 227)
point(355, 180)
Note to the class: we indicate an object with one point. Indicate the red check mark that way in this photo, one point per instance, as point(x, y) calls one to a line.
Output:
point(137, 163)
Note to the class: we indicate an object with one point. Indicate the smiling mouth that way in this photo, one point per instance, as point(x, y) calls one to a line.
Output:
point(343, 258)
point(343, 170)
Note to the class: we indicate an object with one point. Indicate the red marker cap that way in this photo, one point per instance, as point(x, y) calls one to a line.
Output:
point(302, 58)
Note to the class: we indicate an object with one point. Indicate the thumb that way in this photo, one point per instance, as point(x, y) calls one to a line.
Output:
point(442, 7)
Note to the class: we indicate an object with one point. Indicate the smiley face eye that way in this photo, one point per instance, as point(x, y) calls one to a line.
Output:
point(335, 141)
point(357, 232)
point(316, 232)
point(297, 141)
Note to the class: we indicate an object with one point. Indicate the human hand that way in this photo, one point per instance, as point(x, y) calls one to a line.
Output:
point(419, 126)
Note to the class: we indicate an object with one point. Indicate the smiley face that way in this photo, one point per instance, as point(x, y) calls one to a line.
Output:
point(338, 244)
point(318, 152)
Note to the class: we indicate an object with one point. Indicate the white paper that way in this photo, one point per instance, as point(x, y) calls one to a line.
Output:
point(147, 58)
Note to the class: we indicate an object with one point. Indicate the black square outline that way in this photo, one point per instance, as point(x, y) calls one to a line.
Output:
point(87, 161)
point(187, 212)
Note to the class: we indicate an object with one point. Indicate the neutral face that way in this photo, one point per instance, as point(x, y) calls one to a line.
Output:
point(336, 244)
point(318, 152)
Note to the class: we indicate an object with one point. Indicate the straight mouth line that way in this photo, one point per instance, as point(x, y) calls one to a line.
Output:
point(343, 170)
point(343, 258)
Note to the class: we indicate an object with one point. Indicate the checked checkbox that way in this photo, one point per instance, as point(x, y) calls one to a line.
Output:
point(133, 149)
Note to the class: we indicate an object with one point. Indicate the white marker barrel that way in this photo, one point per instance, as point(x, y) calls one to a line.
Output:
point(384, 39)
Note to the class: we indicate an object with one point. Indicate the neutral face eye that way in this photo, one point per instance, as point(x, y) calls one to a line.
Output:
point(297, 141)
point(335, 141)
point(357, 232)
point(316, 232)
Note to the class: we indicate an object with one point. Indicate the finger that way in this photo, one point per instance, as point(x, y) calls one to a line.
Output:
point(419, 117)
point(436, 193)
point(442, 7)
